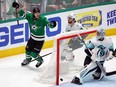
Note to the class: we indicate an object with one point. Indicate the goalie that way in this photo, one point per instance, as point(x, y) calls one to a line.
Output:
point(73, 43)
point(97, 49)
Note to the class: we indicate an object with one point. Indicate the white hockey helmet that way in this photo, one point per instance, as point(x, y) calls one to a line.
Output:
point(72, 15)
point(100, 33)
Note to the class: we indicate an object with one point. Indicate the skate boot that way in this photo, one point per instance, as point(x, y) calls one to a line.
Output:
point(40, 61)
point(26, 62)
point(76, 80)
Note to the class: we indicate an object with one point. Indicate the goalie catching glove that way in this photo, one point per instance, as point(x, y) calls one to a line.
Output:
point(15, 5)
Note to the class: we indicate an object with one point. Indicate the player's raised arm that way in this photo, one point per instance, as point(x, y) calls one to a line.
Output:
point(16, 6)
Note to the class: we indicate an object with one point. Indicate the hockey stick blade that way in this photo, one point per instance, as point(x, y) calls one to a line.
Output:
point(110, 73)
point(41, 56)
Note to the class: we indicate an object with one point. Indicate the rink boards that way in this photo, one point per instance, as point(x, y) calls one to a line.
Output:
point(21, 49)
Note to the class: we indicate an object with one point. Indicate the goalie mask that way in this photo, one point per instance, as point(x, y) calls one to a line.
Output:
point(100, 34)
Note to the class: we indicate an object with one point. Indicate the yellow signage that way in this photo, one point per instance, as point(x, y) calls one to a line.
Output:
point(90, 19)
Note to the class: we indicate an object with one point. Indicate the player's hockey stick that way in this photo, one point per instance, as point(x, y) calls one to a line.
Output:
point(16, 14)
point(110, 73)
point(100, 66)
point(41, 56)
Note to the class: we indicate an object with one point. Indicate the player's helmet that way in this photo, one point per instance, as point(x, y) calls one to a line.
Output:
point(36, 9)
point(72, 15)
point(100, 33)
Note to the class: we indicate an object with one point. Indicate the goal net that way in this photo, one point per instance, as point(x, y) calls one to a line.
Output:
point(67, 57)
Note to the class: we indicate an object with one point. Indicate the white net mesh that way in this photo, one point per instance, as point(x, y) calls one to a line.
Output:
point(67, 58)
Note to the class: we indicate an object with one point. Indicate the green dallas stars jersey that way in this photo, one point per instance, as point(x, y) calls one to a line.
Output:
point(36, 26)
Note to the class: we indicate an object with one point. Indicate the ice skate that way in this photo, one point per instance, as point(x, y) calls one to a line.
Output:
point(39, 63)
point(76, 80)
point(25, 62)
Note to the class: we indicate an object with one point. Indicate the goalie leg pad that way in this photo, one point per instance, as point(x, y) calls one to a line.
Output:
point(89, 70)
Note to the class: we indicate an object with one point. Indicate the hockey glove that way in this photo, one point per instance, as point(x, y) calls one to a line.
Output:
point(52, 24)
point(114, 53)
point(15, 5)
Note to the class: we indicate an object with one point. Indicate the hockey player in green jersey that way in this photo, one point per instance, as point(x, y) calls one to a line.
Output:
point(37, 23)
